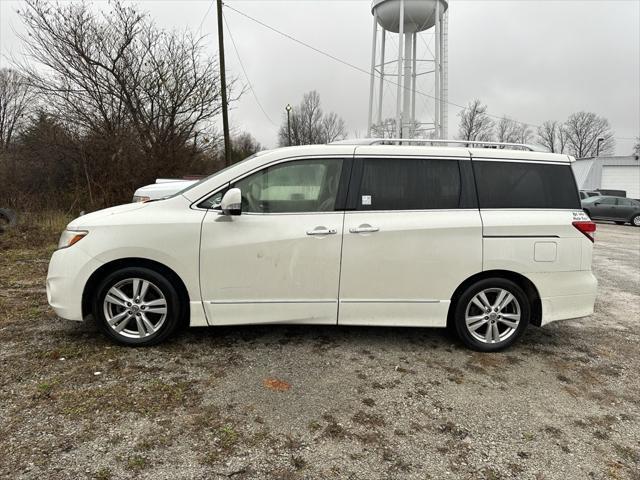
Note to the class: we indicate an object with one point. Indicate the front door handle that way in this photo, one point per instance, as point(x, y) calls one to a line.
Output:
point(364, 228)
point(322, 231)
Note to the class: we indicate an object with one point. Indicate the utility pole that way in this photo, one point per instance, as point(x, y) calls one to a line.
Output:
point(223, 89)
point(288, 109)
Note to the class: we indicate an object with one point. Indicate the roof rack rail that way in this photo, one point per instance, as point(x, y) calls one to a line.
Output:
point(467, 143)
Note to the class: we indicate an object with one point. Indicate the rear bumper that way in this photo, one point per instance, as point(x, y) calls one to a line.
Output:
point(565, 295)
point(69, 270)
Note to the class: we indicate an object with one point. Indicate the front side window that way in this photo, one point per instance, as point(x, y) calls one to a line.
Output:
point(525, 185)
point(296, 186)
point(607, 201)
point(409, 184)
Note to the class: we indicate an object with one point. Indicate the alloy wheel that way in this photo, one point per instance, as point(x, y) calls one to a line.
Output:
point(492, 315)
point(135, 308)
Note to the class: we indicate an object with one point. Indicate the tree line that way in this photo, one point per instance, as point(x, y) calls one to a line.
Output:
point(583, 134)
point(103, 103)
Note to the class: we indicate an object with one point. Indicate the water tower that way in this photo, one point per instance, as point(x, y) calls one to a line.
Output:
point(407, 21)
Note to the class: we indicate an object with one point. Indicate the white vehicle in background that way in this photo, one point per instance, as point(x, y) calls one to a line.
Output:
point(164, 187)
point(485, 240)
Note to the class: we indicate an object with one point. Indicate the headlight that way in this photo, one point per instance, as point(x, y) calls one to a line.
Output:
point(69, 237)
point(137, 199)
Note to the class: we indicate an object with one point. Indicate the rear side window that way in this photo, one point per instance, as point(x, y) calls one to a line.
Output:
point(409, 184)
point(627, 202)
point(525, 185)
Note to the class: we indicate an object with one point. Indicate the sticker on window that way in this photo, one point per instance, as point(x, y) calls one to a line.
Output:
point(366, 199)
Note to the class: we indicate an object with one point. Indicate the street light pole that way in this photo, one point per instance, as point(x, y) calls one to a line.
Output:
point(600, 140)
point(223, 88)
point(288, 109)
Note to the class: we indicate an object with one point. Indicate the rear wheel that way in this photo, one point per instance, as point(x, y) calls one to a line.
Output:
point(635, 221)
point(491, 314)
point(137, 307)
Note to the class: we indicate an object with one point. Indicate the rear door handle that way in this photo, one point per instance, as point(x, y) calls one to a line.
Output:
point(322, 231)
point(365, 228)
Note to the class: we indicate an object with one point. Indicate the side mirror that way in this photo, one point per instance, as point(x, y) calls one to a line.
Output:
point(232, 202)
point(596, 203)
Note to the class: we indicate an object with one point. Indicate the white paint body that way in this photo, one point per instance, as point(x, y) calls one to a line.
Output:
point(161, 189)
point(266, 268)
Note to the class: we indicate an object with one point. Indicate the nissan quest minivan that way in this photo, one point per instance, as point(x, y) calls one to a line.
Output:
point(483, 240)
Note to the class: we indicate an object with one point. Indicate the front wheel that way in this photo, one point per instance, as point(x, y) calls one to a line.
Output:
point(491, 314)
point(137, 307)
point(635, 221)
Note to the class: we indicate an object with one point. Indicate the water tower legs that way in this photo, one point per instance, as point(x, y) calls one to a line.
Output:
point(373, 71)
point(399, 76)
point(422, 16)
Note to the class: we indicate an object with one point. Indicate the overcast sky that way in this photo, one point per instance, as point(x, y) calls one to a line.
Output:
point(531, 60)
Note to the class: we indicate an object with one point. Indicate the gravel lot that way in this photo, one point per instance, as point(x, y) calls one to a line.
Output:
point(320, 402)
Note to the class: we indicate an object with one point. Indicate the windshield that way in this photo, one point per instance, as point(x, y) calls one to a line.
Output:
point(184, 190)
point(591, 199)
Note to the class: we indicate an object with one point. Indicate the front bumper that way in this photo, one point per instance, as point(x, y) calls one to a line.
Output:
point(69, 270)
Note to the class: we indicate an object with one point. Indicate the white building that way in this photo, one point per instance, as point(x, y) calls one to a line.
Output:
point(609, 173)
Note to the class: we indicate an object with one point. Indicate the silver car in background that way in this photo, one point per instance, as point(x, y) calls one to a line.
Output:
point(616, 209)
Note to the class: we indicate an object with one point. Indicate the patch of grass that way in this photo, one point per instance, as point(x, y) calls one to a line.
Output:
point(44, 389)
point(103, 474)
point(369, 402)
point(41, 228)
point(228, 436)
point(136, 462)
point(453, 430)
point(627, 454)
point(313, 425)
point(298, 462)
point(368, 419)
point(146, 399)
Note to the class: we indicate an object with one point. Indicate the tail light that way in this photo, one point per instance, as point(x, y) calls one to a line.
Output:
point(588, 229)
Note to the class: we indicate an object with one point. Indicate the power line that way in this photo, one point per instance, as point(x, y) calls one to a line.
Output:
point(205, 16)
point(255, 95)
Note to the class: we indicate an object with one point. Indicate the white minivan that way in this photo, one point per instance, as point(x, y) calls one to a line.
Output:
point(484, 240)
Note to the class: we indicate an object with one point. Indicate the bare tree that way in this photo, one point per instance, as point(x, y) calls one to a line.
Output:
point(243, 145)
point(508, 131)
point(333, 128)
point(385, 129)
point(549, 136)
point(15, 98)
point(118, 70)
point(309, 125)
point(129, 96)
point(636, 147)
point(583, 129)
point(475, 123)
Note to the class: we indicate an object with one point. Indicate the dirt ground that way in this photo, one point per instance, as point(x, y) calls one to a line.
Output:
point(320, 402)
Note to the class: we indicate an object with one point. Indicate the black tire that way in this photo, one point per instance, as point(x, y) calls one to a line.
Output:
point(635, 221)
point(161, 287)
point(8, 219)
point(620, 223)
point(464, 302)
